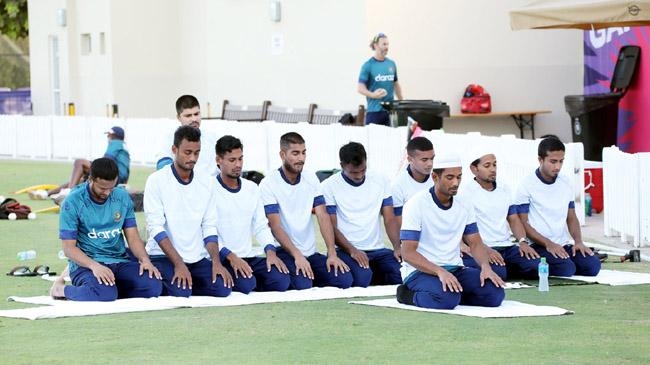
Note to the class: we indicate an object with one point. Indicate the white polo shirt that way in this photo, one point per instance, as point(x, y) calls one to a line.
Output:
point(404, 186)
point(492, 209)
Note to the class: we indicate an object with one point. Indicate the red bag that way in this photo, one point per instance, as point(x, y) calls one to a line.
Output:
point(10, 205)
point(475, 100)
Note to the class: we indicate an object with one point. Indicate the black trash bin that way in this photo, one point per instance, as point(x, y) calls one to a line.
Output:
point(428, 113)
point(594, 118)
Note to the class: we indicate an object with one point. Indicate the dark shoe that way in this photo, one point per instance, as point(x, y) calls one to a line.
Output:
point(405, 295)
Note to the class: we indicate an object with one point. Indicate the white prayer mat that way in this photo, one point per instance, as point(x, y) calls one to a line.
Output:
point(507, 309)
point(614, 278)
point(67, 308)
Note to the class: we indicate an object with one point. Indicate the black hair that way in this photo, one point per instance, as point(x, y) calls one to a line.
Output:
point(290, 138)
point(187, 133)
point(226, 144)
point(186, 102)
point(418, 144)
point(352, 153)
point(103, 168)
point(549, 144)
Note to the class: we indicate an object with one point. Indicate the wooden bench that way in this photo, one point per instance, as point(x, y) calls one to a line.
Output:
point(243, 113)
point(289, 115)
point(326, 116)
point(523, 119)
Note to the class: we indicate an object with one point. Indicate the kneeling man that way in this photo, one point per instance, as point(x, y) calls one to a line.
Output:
point(433, 224)
point(94, 220)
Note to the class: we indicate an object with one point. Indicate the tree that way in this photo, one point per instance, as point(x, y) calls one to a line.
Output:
point(13, 18)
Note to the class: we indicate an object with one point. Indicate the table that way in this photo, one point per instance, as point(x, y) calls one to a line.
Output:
point(522, 119)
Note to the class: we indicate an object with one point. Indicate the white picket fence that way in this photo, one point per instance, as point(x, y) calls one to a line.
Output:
point(67, 138)
point(626, 183)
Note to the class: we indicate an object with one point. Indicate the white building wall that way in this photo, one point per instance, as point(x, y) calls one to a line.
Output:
point(222, 49)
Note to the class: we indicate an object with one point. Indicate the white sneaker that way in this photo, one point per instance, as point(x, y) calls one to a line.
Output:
point(37, 194)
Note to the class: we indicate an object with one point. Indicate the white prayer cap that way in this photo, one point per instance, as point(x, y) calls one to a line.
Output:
point(446, 160)
point(479, 151)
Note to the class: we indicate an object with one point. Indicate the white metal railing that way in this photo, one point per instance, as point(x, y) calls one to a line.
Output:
point(626, 192)
point(67, 138)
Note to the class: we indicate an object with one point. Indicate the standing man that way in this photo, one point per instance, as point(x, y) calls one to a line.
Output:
point(496, 217)
point(188, 112)
point(433, 224)
point(95, 219)
point(289, 195)
point(416, 176)
point(546, 208)
point(179, 203)
point(355, 201)
point(240, 211)
point(378, 81)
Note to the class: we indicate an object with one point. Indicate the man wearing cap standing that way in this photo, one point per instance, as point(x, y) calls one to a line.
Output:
point(116, 151)
point(496, 217)
point(433, 223)
point(378, 81)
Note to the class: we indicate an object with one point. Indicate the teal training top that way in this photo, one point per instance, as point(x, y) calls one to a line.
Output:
point(97, 227)
point(117, 152)
point(377, 74)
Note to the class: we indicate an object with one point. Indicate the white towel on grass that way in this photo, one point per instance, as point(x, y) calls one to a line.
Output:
point(68, 308)
point(507, 309)
point(614, 277)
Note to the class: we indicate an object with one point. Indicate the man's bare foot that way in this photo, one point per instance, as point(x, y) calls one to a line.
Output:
point(57, 290)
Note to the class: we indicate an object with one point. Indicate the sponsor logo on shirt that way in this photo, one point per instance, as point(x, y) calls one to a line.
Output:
point(112, 233)
point(381, 77)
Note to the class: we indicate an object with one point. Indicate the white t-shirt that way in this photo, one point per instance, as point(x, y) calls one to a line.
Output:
point(183, 212)
point(241, 213)
point(405, 186)
point(438, 229)
point(207, 156)
point(358, 208)
point(492, 209)
point(547, 205)
point(294, 203)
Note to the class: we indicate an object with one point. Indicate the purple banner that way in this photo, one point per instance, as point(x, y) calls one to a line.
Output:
point(601, 49)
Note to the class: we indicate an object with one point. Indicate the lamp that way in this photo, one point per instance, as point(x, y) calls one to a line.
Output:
point(275, 10)
point(61, 20)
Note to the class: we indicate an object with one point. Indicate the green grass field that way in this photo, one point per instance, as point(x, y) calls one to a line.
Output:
point(611, 325)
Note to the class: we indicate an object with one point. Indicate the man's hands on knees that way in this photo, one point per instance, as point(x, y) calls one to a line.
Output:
point(103, 274)
point(182, 276)
point(449, 281)
point(148, 266)
point(303, 267)
point(239, 266)
point(557, 250)
point(220, 270)
point(360, 257)
point(487, 273)
point(334, 262)
point(273, 260)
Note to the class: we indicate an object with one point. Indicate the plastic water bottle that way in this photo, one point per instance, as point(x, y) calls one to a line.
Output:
point(588, 204)
point(542, 270)
point(26, 255)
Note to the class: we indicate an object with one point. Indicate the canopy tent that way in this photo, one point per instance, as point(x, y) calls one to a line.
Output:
point(581, 14)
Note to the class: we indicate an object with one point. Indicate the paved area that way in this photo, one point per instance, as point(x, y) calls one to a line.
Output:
point(593, 231)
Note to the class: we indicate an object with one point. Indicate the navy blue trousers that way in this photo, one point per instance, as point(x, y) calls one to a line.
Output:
point(429, 293)
point(516, 265)
point(202, 284)
point(322, 277)
point(384, 268)
point(128, 284)
point(262, 280)
point(574, 265)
